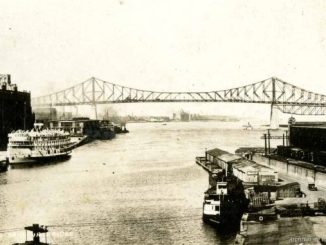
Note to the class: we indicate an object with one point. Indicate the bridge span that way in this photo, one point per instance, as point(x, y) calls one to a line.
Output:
point(281, 95)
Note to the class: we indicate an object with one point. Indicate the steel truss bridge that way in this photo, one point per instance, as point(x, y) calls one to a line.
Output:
point(279, 94)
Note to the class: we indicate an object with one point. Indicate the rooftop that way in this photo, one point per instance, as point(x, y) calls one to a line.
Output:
point(216, 152)
point(229, 157)
point(250, 165)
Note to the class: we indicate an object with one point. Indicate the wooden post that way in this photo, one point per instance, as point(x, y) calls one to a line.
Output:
point(25, 115)
point(287, 166)
point(206, 154)
point(265, 139)
point(269, 141)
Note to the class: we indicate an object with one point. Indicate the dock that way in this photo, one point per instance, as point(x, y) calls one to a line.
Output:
point(279, 211)
point(303, 230)
point(205, 164)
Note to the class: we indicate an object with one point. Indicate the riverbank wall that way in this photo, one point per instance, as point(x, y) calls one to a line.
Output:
point(297, 169)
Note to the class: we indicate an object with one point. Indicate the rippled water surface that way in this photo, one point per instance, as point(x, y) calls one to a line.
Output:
point(140, 188)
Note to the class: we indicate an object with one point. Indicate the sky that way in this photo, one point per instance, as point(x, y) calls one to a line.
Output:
point(170, 45)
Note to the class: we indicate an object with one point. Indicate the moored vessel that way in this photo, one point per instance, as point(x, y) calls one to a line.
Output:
point(3, 165)
point(224, 205)
point(212, 202)
point(38, 145)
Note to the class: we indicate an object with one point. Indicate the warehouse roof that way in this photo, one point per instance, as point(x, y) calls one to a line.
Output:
point(229, 157)
point(244, 165)
point(216, 152)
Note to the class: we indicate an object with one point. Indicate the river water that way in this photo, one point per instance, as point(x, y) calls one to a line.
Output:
point(140, 188)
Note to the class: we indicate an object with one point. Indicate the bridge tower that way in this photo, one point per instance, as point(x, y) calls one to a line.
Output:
point(274, 120)
point(63, 111)
point(76, 111)
point(94, 104)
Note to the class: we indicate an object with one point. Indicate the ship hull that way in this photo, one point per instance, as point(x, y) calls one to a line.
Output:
point(40, 159)
point(227, 221)
point(3, 166)
point(211, 219)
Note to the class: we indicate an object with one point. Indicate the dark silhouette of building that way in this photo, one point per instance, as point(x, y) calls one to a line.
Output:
point(15, 109)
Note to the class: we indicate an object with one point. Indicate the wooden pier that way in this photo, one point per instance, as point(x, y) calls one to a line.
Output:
point(204, 163)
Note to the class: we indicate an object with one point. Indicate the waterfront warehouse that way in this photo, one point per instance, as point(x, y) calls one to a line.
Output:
point(307, 143)
point(12, 100)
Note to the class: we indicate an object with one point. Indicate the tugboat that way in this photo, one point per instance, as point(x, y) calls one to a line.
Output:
point(38, 145)
point(212, 203)
point(224, 205)
point(36, 229)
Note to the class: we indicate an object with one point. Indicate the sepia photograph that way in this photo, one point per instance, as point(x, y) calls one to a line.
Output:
point(163, 122)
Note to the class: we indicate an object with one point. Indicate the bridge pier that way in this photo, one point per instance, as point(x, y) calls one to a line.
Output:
point(95, 110)
point(63, 113)
point(274, 119)
point(93, 96)
point(76, 111)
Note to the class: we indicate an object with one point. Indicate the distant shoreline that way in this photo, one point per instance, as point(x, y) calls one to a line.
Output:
point(203, 120)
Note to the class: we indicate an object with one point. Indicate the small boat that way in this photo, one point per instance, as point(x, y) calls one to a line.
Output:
point(38, 146)
point(36, 229)
point(248, 126)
